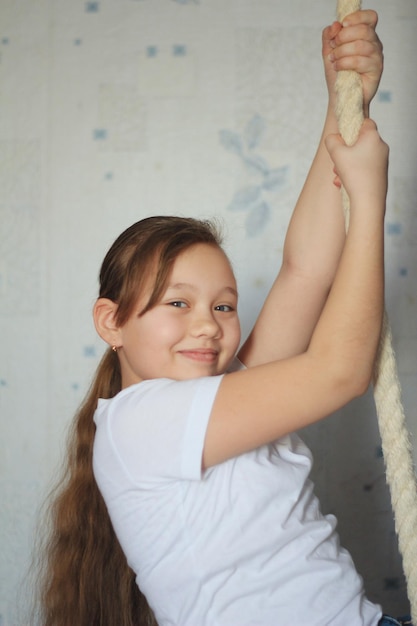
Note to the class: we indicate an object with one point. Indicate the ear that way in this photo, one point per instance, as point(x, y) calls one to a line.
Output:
point(104, 315)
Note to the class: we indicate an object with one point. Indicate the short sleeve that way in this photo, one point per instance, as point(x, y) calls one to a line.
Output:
point(156, 429)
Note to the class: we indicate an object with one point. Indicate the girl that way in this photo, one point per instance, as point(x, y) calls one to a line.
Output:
point(194, 467)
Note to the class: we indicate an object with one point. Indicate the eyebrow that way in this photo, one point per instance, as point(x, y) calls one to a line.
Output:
point(228, 289)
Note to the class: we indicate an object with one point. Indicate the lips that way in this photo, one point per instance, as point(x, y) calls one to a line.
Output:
point(203, 355)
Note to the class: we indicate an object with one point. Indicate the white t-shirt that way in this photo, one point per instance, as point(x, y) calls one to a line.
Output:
point(243, 543)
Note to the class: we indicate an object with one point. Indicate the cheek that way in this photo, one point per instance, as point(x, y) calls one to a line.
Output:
point(163, 327)
point(234, 336)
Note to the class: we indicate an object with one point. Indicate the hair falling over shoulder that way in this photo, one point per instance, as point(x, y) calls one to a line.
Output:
point(84, 577)
point(82, 574)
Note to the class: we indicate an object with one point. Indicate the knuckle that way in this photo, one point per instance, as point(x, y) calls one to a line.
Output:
point(374, 17)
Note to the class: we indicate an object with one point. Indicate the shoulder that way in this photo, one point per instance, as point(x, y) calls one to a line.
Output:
point(158, 419)
point(157, 427)
point(159, 391)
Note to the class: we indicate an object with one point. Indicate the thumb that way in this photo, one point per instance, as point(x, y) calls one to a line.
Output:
point(333, 142)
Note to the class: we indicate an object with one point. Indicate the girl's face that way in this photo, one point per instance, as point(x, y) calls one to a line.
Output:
point(193, 330)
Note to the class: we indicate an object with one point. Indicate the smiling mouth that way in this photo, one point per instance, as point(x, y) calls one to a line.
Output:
point(203, 355)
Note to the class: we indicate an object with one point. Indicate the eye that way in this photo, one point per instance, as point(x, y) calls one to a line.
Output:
point(224, 308)
point(179, 304)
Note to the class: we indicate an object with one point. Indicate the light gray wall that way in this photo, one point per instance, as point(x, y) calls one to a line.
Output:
point(117, 109)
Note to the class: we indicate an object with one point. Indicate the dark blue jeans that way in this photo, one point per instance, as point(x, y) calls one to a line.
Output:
point(386, 620)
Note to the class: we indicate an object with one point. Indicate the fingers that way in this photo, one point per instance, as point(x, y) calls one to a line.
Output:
point(356, 41)
point(328, 38)
point(368, 17)
point(363, 165)
point(334, 141)
point(358, 57)
point(354, 45)
point(368, 131)
point(368, 124)
point(330, 32)
point(336, 181)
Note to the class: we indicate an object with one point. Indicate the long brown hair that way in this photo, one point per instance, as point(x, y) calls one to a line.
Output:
point(85, 579)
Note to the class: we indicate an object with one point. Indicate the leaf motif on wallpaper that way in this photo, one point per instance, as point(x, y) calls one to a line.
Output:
point(257, 218)
point(245, 198)
point(231, 141)
point(254, 198)
point(276, 179)
point(257, 163)
point(254, 130)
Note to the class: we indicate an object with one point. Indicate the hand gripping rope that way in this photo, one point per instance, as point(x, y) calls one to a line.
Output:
point(395, 438)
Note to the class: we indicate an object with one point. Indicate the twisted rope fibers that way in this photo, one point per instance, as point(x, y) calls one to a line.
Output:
point(395, 437)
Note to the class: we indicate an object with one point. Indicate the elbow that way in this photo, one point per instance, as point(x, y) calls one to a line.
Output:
point(350, 364)
point(361, 385)
point(354, 378)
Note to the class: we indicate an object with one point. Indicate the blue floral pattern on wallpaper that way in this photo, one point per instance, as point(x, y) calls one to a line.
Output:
point(256, 198)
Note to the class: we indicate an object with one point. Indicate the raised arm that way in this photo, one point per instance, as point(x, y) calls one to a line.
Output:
point(316, 234)
point(263, 403)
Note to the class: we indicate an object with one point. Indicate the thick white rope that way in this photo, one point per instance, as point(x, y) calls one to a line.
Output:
point(396, 445)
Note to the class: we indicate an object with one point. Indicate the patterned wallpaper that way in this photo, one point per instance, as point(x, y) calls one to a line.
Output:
point(117, 109)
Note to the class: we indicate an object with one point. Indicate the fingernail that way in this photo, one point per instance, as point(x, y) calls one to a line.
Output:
point(331, 57)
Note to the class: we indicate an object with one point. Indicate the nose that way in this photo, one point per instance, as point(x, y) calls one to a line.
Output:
point(204, 324)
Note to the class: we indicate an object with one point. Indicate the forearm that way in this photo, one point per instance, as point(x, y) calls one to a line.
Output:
point(349, 328)
point(313, 245)
point(316, 232)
